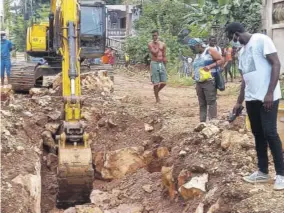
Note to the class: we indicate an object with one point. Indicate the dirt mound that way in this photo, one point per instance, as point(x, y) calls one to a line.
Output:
point(148, 158)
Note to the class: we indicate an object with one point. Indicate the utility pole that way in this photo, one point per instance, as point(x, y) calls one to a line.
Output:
point(127, 18)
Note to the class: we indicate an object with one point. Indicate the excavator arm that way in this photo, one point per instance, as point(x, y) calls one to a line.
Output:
point(75, 170)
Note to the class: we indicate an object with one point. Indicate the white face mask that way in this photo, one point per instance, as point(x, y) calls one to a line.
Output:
point(3, 37)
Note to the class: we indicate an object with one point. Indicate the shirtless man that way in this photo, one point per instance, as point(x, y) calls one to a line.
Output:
point(158, 61)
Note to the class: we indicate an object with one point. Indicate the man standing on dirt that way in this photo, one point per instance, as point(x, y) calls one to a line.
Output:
point(6, 48)
point(158, 61)
point(260, 68)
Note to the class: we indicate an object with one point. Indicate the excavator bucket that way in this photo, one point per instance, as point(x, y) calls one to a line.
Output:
point(75, 176)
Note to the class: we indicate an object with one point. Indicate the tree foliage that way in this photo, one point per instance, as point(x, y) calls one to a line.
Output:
point(166, 16)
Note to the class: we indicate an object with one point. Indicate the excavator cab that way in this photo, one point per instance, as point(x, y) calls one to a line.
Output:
point(92, 29)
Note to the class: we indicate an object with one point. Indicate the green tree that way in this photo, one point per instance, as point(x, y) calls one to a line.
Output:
point(165, 16)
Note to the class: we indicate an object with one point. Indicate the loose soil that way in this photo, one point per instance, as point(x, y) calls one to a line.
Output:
point(129, 108)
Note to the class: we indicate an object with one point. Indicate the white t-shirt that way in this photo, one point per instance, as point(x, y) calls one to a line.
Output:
point(256, 69)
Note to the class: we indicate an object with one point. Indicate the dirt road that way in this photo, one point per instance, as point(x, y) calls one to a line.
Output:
point(138, 138)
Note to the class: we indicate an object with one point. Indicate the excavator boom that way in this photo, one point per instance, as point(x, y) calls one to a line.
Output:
point(75, 170)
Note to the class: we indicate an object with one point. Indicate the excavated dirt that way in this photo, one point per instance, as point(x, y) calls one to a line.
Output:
point(116, 121)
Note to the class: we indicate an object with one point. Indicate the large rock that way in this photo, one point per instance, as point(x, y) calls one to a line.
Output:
point(52, 127)
point(168, 180)
point(234, 139)
point(116, 164)
point(31, 184)
point(200, 127)
point(195, 187)
point(100, 82)
point(6, 92)
point(103, 199)
point(48, 139)
point(38, 91)
point(209, 131)
point(162, 152)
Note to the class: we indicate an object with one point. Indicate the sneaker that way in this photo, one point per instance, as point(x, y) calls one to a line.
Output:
point(257, 177)
point(279, 182)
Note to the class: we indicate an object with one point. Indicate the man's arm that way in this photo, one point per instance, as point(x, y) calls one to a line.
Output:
point(274, 78)
point(10, 46)
point(164, 54)
point(153, 50)
point(217, 58)
point(270, 52)
point(241, 97)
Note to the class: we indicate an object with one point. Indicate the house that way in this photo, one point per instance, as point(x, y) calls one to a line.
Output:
point(116, 20)
point(273, 25)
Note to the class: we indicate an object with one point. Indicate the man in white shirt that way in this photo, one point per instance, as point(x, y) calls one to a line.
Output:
point(260, 68)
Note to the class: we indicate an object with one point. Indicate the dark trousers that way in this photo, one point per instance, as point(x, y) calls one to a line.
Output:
point(207, 95)
point(264, 129)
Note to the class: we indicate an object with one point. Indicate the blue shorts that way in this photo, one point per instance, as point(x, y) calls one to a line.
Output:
point(5, 65)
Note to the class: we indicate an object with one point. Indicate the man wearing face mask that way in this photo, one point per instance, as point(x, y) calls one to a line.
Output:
point(260, 68)
point(6, 48)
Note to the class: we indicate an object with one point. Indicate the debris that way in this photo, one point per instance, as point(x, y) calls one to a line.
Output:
point(28, 114)
point(183, 177)
point(101, 122)
point(147, 188)
point(51, 161)
point(32, 185)
point(195, 187)
point(48, 139)
point(38, 91)
point(198, 168)
point(110, 123)
point(209, 131)
point(88, 209)
point(148, 157)
point(118, 163)
point(163, 152)
point(52, 127)
point(200, 127)
point(16, 108)
point(148, 127)
point(70, 210)
point(6, 113)
point(215, 207)
point(200, 208)
point(41, 120)
point(102, 199)
point(234, 139)
point(55, 115)
point(168, 180)
point(20, 148)
point(182, 153)
point(126, 208)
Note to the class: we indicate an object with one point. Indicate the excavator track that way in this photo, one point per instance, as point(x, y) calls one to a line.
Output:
point(22, 77)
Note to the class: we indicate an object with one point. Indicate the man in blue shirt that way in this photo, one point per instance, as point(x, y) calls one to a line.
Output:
point(6, 48)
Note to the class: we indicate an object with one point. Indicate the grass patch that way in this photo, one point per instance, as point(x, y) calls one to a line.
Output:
point(176, 80)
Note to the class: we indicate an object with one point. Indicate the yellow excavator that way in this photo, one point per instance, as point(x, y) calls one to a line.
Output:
point(76, 31)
